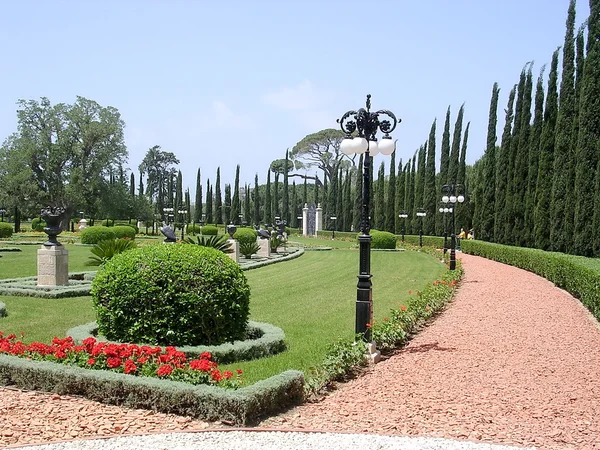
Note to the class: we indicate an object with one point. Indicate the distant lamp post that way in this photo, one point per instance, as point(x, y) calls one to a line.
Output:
point(169, 214)
point(366, 124)
point(2, 212)
point(202, 220)
point(403, 215)
point(182, 216)
point(241, 217)
point(420, 214)
point(450, 198)
point(333, 219)
point(445, 210)
point(299, 224)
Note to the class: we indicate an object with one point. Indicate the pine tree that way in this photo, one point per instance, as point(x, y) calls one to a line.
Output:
point(429, 194)
point(563, 153)
point(198, 200)
point(445, 156)
point(268, 218)
point(227, 205)
point(379, 215)
point(502, 171)
point(218, 199)
point(358, 195)
point(236, 207)
point(285, 212)
point(256, 198)
point(454, 153)
point(209, 202)
point(390, 202)
point(585, 230)
point(541, 218)
point(400, 184)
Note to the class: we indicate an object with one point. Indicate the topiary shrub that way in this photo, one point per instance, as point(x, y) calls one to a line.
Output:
point(171, 295)
point(192, 228)
point(209, 230)
point(382, 239)
point(5, 230)
point(38, 224)
point(245, 235)
point(128, 224)
point(123, 231)
point(93, 235)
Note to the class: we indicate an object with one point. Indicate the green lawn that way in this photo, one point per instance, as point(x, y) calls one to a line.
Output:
point(318, 242)
point(312, 298)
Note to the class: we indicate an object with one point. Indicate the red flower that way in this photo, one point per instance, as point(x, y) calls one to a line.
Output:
point(227, 374)
point(12, 336)
point(164, 370)
point(403, 308)
point(369, 325)
point(410, 292)
point(60, 354)
point(206, 355)
point(113, 362)
point(142, 360)
point(239, 371)
point(216, 375)
point(91, 362)
point(130, 366)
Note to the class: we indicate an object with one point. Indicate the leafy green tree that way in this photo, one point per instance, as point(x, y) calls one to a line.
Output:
point(247, 208)
point(390, 213)
point(218, 199)
point(157, 165)
point(132, 185)
point(293, 207)
point(410, 202)
point(227, 217)
point(331, 202)
point(502, 163)
point(198, 200)
point(178, 193)
point(276, 208)
point(348, 203)
point(420, 181)
point(464, 212)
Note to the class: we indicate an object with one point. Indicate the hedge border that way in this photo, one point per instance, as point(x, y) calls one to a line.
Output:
point(11, 287)
point(271, 342)
point(10, 249)
point(267, 262)
point(565, 271)
point(241, 406)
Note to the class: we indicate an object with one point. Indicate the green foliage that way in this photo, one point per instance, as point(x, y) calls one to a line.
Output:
point(95, 234)
point(171, 295)
point(209, 230)
point(217, 242)
point(382, 239)
point(124, 231)
point(249, 248)
point(245, 235)
point(105, 250)
point(38, 224)
point(126, 224)
point(5, 230)
point(193, 228)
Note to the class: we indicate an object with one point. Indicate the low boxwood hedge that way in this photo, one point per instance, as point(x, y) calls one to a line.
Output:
point(209, 230)
point(95, 234)
point(245, 235)
point(6, 230)
point(428, 241)
point(124, 231)
point(382, 239)
point(571, 273)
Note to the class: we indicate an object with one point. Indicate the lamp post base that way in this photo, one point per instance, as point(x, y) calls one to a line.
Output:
point(453, 252)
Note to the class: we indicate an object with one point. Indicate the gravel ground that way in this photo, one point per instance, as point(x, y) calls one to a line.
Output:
point(514, 361)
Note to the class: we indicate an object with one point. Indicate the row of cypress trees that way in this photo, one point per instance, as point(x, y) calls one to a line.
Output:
point(541, 186)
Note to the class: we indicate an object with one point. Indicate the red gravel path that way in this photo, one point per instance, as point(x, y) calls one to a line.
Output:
point(513, 360)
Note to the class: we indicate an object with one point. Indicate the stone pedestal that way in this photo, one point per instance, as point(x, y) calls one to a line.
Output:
point(52, 266)
point(83, 224)
point(319, 219)
point(373, 355)
point(305, 220)
point(235, 246)
point(264, 249)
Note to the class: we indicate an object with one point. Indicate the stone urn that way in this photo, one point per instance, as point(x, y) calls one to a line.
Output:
point(231, 229)
point(53, 217)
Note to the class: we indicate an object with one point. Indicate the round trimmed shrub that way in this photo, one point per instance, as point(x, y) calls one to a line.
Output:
point(95, 234)
point(123, 231)
point(245, 236)
point(192, 228)
point(6, 230)
point(38, 224)
point(209, 230)
point(127, 224)
point(382, 239)
point(171, 295)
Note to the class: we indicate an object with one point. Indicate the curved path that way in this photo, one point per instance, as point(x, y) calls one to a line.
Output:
point(514, 360)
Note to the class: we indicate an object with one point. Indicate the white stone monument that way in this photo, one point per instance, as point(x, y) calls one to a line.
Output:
point(82, 224)
point(52, 257)
point(318, 219)
point(264, 247)
point(305, 220)
point(235, 246)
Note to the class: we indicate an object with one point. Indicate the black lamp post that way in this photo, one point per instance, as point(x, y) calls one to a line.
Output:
point(2, 212)
point(403, 215)
point(449, 197)
point(420, 214)
point(333, 219)
point(445, 210)
point(182, 216)
point(366, 124)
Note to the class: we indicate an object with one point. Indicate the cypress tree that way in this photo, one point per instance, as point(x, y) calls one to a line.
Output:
point(304, 193)
point(141, 185)
point(390, 203)
point(348, 204)
point(485, 207)
point(534, 155)
point(541, 218)
point(285, 208)
point(236, 207)
point(293, 207)
point(198, 200)
point(587, 143)
point(521, 167)
point(227, 205)
point(463, 212)
point(400, 184)
point(502, 171)
point(218, 200)
point(188, 215)
point(256, 198)
point(445, 156)
point(454, 153)
point(420, 178)
point(325, 195)
point(331, 200)
point(371, 190)
point(178, 195)
point(247, 208)
point(358, 195)
point(209, 202)
point(132, 185)
point(563, 158)
point(316, 192)
point(338, 201)
point(410, 194)
point(429, 194)
point(268, 218)
point(380, 199)
point(160, 204)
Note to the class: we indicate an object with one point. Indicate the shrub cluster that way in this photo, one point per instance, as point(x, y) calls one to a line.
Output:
point(577, 275)
point(209, 230)
point(5, 230)
point(124, 231)
point(245, 235)
point(382, 239)
point(171, 295)
point(193, 228)
point(38, 224)
point(95, 234)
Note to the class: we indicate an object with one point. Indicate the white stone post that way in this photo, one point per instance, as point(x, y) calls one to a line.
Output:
point(52, 266)
point(264, 247)
point(305, 220)
point(319, 219)
point(235, 246)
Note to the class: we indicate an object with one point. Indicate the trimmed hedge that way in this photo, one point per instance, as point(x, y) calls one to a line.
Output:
point(382, 239)
point(95, 234)
point(6, 230)
point(349, 236)
point(572, 273)
point(209, 230)
point(264, 340)
point(241, 406)
point(193, 228)
point(245, 235)
point(127, 224)
point(38, 224)
point(428, 241)
point(123, 231)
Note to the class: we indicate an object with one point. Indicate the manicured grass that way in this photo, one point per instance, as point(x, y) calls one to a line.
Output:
point(318, 242)
point(24, 263)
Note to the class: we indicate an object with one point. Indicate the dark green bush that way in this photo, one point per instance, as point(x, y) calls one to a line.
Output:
point(209, 230)
point(382, 239)
point(38, 224)
point(95, 234)
point(128, 224)
point(124, 231)
point(171, 295)
point(249, 248)
point(193, 228)
point(245, 235)
point(5, 230)
point(105, 250)
point(217, 242)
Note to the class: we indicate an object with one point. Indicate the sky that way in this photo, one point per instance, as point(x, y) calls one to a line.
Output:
point(221, 83)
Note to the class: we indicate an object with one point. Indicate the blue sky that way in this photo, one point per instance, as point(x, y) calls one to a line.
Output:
point(221, 83)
